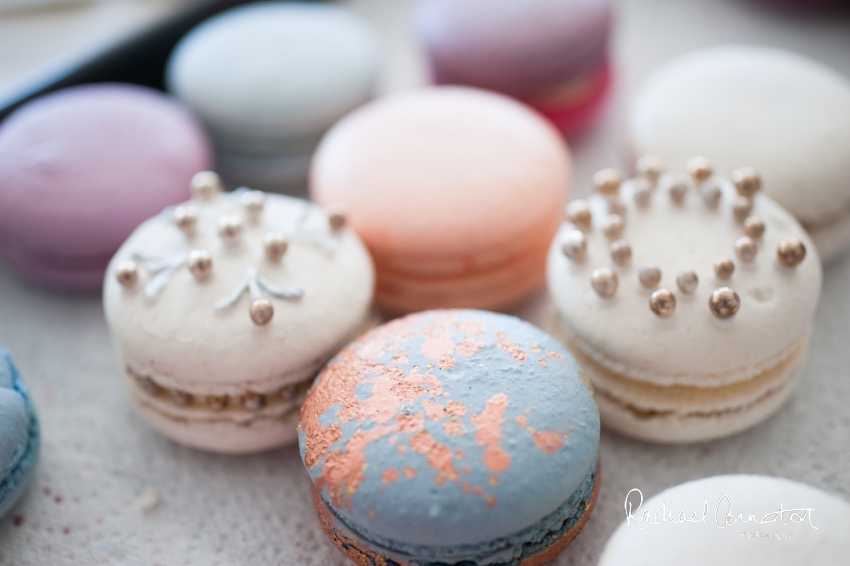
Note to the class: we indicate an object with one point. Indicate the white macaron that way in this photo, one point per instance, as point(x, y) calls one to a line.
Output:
point(223, 309)
point(784, 114)
point(688, 304)
point(734, 520)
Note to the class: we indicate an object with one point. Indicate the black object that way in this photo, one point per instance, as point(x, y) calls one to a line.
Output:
point(138, 59)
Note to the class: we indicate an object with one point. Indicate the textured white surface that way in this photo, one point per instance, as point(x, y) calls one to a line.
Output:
point(99, 459)
point(728, 506)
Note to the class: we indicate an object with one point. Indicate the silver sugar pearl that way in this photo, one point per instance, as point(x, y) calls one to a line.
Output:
point(604, 282)
point(742, 209)
point(607, 181)
point(791, 252)
point(230, 229)
point(275, 245)
point(747, 181)
point(261, 311)
point(650, 168)
point(754, 227)
point(662, 302)
point(710, 192)
point(574, 245)
point(336, 217)
point(745, 248)
point(724, 268)
point(688, 281)
point(649, 276)
point(724, 303)
point(127, 273)
point(186, 219)
point(200, 264)
point(621, 252)
point(579, 214)
point(206, 185)
point(699, 168)
point(613, 227)
point(254, 203)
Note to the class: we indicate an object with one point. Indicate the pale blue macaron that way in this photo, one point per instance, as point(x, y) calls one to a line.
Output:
point(452, 436)
point(19, 434)
point(268, 79)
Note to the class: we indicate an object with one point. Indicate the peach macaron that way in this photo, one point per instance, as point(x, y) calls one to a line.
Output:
point(456, 192)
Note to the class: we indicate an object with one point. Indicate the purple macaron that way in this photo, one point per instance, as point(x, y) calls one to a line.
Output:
point(81, 168)
point(552, 54)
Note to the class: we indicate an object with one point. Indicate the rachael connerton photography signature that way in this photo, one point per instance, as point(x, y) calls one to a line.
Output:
point(724, 516)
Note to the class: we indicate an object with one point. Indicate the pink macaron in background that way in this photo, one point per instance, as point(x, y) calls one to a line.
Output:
point(81, 168)
point(551, 54)
point(455, 191)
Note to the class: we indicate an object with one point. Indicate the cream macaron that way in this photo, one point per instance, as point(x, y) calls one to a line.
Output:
point(688, 299)
point(223, 309)
point(734, 520)
point(784, 114)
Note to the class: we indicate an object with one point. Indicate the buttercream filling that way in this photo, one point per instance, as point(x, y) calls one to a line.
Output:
point(250, 401)
point(505, 551)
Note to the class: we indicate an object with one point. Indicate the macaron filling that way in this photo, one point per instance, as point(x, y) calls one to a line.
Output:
point(510, 550)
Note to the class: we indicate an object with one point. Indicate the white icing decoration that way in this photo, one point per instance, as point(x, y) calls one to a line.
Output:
point(255, 283)
point(164, 267)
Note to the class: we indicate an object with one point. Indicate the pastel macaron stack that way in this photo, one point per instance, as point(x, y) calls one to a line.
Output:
point(81, 168)
point(784, 114)
point(737, 520)
point(268, 79)
point(452, 437)
point(688, 300)
point(19, 434)
point(456, 191)
point(223, 309)
point(551, 54)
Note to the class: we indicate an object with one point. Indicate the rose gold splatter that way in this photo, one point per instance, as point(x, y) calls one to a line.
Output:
point(548, 442)
point(343, 470)
point(521, 421)
point(466, 470)
point(439, 455)
point(491, 501)
point(460, 453)
point(479, 491)
point(466, 488)
point(410, 424)
point(542, 362)
point(468, 347)
point(390, 475)
point(409, 472)
point(401, 359)
point(471, 327)
point(493, 480)
point(434, 410)
point(555, 355)
point(453, 428)
point(503, 342)
point(489, 430)
point(535, 349)
point(528, 410)
point(437, 347)
point(319, 443)
point(446, 362)
point(401, 449)
point(455, 409)
point(440, 479)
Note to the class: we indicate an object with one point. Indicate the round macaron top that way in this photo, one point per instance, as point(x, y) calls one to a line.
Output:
point(511, 46)
point(82, 167)
point(16, 415)
point(747, 520)
point(449, 427)
point(444, 180)
point(236, 291)
point(642, 280)
point(784, 114)
point(275, 71)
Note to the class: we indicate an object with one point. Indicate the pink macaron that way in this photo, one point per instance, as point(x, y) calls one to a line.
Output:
point(81, 168)
point(455, 191)
point(551, 54)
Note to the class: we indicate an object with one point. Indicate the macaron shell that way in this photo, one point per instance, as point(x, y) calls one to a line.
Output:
point(80, 168)
point(19, 435)
point(445, 181)
point(519, 48)
point(263, 75)
point(691, 347)
point(786, 115)
point(182, 341)
point(433, 411)
point(815, 535)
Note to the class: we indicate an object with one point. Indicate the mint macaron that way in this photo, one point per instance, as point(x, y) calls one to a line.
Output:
point(452, 436)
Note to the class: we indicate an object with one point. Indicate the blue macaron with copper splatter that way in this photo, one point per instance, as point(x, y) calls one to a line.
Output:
point(19, 435)
point(452, 437)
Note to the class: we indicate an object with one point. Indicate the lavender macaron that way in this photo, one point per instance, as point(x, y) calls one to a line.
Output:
point(81, 168)
point(452, 437)
point(551, 54)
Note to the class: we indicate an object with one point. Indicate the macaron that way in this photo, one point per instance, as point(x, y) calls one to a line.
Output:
point(456, 191)
point(688, 300)
point(223, 309)
point(736, 520)
point(552, 54)
point(784, 114)
point(268, 79)
point(81, 168)
point(452, 437)
point(19, 434)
